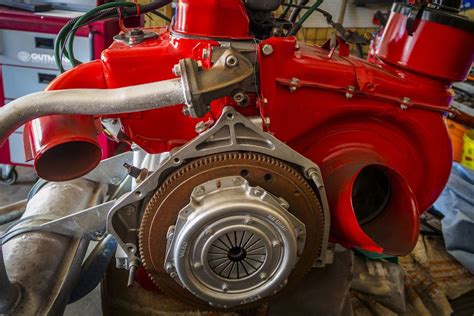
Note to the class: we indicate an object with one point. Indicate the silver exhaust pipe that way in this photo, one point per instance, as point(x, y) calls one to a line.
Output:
point(196, 88)
point(46, 266)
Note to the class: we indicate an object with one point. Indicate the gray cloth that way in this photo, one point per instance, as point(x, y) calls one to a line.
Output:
point(457, 205)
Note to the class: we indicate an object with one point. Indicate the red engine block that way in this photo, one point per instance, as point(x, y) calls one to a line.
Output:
point(347, 115)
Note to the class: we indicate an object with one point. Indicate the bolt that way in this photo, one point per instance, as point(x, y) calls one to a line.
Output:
point(225, 288)
point(267, 49)
point(209, 232)
point(197, 265)
point(173, 275)
point(231, 61)
point(169, 267)
point(239, 97)
point(263, 276)
point(266, 121)
point(177, 70)
point(351, 90)
point(199, 65)
point(205, 53)
point(257, 192)
point(294, 84)
point(276, 244)
point(200, 191)
point(200, 127)
point(248, 221)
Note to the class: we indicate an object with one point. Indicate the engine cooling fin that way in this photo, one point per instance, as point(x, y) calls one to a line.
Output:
point(268, 173)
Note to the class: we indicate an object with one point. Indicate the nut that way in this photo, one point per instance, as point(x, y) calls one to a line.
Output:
point(267, 49)
point(231, 61)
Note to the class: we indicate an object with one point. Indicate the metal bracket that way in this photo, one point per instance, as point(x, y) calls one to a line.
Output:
point(232, 132)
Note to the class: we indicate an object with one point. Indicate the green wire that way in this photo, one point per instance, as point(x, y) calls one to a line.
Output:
point(78, 24)
point(295, 29)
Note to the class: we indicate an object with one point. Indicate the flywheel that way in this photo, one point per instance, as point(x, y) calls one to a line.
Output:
point(231, 230)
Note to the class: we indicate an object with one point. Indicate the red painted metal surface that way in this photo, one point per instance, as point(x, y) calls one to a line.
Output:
point(212, 18)
point(103, 32)
point(66, 147)
point(343, 113)
point(429, 50)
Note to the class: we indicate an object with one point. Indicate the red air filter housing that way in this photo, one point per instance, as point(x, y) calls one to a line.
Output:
point(423, 39)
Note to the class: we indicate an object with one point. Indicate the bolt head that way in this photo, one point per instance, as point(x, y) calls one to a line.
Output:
point(263, 276)
point(173, 275)
point(200, 127)
point(177, 70)
point(267, 49)
point(225, 288)
point(231, 61)
point(168, 267)
point(200, 191)
point(197, 265)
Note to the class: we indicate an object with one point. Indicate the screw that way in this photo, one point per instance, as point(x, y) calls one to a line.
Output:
point(267, 49)
point(239, 97)
point(168, 267)
point(200, 127)
point(248, 221)
point(199, 65)
point(225, 288)
point(177, 70)
point(231, 61)
point(200, 191)
point(351, 90)
point(267, 121)
point(294, 84)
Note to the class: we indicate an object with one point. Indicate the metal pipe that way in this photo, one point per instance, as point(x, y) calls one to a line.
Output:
point(47, 266)
point(10, 292)
point(90, 102)
point(12, 212)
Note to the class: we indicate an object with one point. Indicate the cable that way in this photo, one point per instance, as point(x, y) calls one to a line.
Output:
point(297, 26)
point(64, 43)
point(161, 15)
point(296, 12)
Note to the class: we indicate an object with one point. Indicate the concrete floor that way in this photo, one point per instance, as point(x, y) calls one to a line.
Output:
point(89, 305)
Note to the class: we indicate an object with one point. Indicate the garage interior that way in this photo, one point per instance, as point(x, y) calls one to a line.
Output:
point(237, 157)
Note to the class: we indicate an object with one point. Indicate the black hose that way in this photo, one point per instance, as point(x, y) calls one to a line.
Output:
point(296, 12)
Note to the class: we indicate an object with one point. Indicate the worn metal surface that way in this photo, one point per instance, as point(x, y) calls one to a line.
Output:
point(270, 174)
point(233, 243)
point(46, 265)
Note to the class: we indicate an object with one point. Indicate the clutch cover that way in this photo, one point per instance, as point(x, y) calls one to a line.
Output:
point(230, 230)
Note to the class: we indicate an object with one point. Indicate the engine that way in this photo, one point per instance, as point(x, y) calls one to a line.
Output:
point(252, 153)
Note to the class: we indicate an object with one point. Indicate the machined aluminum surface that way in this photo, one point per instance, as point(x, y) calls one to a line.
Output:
point(233, 243)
